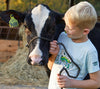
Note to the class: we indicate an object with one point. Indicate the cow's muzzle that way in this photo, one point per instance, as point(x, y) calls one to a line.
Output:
point(35, 60)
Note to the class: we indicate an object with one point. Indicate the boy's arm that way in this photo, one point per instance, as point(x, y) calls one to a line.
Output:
point(93, 82)
point(51, 61)
point(54, 49)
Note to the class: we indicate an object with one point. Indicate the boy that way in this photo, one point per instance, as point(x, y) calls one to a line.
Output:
point(79, 20)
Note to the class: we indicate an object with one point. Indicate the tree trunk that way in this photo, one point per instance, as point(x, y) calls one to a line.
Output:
point(7, 4)
point(71, 3)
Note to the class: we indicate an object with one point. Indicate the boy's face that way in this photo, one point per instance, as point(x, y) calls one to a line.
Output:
point(73, 32)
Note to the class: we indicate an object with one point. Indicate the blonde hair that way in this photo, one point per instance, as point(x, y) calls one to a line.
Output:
point(82, 15)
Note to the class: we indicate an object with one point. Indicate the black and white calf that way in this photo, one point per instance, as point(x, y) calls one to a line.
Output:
point(44, 25)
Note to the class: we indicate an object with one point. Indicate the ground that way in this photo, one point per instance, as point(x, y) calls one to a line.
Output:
point(20, 87)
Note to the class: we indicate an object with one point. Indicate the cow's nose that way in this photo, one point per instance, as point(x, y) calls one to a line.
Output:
point(35, 59)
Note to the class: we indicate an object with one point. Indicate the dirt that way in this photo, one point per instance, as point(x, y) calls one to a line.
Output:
point(20, 87)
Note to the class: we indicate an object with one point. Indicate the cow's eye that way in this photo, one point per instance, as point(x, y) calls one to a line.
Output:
point(25, 26)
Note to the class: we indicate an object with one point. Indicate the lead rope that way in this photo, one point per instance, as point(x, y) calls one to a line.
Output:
point(71, 60)
point(58, 43)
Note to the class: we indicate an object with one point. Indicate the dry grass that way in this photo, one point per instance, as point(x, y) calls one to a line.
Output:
point(17, 71)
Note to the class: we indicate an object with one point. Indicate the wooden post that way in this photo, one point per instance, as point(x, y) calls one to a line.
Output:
point(7, 4)
point(71, 3)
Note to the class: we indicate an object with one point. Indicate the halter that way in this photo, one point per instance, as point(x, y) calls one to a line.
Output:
point(58, 43)
point(36, 37)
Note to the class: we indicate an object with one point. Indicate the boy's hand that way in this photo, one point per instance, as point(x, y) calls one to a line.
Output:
point(63, 81)
point(54, 48)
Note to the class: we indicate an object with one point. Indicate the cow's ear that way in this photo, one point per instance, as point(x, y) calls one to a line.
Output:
point(59, 18)
point(6, 16)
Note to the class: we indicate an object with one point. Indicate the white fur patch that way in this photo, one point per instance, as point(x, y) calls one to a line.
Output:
point(39, 17)
point(36, 51)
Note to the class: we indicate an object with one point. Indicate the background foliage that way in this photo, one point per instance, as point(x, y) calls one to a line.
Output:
point(57, 5)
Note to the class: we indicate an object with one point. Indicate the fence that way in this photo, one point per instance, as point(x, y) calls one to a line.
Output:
point(9, 33)
point(9, 42)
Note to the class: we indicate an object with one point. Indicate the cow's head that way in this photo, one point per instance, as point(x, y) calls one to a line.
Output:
point(42, 26)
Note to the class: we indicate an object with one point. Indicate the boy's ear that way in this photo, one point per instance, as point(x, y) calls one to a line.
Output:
point(6, 16)
point(86, 31)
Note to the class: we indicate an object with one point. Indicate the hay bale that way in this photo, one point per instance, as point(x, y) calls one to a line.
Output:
point(17, 71)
